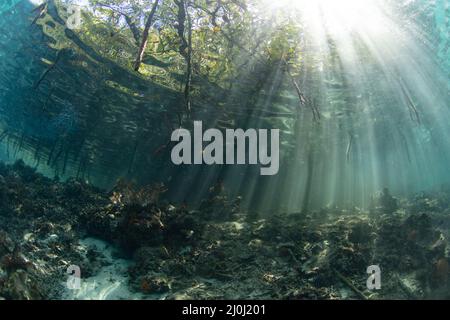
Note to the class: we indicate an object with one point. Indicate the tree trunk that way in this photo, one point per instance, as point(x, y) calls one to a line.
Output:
point(144, 40)
point(134, 29)
point(185, 49)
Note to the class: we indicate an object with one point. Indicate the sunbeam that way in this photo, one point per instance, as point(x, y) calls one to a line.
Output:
point(229, 149)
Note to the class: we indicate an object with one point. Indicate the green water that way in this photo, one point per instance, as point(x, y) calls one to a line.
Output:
point(359, 92)
point(381, 89)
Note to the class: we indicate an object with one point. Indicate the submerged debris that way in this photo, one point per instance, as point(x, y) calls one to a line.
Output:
point(217, 251)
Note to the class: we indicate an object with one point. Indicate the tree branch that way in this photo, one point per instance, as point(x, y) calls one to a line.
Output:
point(185, 49)
point(133, 28)
point(144, 41)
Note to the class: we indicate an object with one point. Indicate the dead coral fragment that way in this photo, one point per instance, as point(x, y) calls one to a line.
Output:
point(21, 286)
point(128, 193)
point(15, 261)
point(154, 283)
point(384, 203)
point(441, 271)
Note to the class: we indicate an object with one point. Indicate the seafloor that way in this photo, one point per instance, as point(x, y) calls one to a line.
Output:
point(131, 244)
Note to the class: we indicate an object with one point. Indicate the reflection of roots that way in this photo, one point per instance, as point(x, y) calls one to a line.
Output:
point(3, 135)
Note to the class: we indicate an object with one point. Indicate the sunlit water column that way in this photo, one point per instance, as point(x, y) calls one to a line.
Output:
point(389, 125)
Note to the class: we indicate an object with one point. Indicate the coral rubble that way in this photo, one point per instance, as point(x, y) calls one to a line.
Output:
point(217, 251)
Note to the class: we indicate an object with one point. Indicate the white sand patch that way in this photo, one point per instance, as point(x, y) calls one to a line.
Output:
point(110, 283)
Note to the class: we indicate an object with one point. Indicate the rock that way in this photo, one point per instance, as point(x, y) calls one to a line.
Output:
point(154, 283)
point(20, 286)
point(384, 203)
point(255, 243)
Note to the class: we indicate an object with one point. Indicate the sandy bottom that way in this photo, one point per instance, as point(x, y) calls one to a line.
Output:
point(110, 282)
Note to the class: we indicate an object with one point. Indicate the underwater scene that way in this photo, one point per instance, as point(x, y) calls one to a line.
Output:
point(224, 150)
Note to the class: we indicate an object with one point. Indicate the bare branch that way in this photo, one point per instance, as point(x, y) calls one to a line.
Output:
point(144, 41)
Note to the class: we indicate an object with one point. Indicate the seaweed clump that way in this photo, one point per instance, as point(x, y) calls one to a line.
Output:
point(136, 217)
